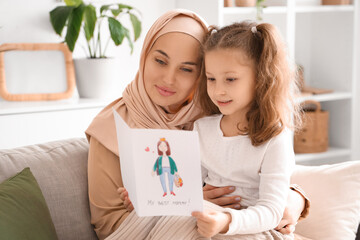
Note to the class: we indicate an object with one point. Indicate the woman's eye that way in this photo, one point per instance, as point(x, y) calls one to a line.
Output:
point(187, 70)
point(210, 79)
point(160, 61)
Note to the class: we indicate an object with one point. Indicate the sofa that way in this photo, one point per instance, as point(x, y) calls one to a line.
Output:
point(60, 169)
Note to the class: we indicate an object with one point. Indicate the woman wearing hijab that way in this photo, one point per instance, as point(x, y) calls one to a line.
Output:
point(161, 96)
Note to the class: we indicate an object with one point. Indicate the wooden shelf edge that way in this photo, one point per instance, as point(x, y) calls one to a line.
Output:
point(11, 108)
point(334, 96)
point(330, 153)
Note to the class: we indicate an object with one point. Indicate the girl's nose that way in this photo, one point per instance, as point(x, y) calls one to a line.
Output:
point(219, 88)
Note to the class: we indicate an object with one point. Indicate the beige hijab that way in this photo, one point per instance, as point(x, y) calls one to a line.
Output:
point(135, 107)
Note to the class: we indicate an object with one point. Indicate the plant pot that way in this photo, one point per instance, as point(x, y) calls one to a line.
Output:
point(228, 3)
point(335, 2)
point(99, 78)
point(245, 3)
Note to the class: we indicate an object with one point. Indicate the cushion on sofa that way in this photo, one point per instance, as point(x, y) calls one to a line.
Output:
point(334, 191)
point(23, 210)
point(60, 169)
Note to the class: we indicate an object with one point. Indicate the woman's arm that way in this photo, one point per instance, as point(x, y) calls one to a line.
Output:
point(297, 208)
point(104, 178)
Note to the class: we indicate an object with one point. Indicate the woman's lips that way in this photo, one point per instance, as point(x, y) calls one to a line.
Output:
point(224, 103)
point(165, 91)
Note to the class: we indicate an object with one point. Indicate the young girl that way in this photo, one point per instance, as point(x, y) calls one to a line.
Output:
point(250, 87)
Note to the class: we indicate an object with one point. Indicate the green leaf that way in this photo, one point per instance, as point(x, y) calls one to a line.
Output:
point(127, 35)
point(74, 25)
point(122, 6)
point(75, 3)
point(59, 16)
point(90, 21)
point(117, 31)
point(104, 8)
point(116, 12)
point(136, 26)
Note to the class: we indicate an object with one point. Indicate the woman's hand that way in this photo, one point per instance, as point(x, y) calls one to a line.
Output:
point(212, 222)
point(124, 195)
point(216, 196)
point(294, 207)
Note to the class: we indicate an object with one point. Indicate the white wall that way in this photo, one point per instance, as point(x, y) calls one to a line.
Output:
point(28, 21)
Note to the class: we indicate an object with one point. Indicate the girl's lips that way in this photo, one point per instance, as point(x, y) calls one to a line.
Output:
point(165, 91)
point(224, 103)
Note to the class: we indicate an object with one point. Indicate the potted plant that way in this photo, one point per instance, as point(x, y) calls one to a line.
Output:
point(95, 74)
point(252, 3)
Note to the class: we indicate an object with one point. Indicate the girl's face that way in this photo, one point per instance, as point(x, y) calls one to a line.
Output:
point(163, 147)
point(230, 81)
point(172, 68)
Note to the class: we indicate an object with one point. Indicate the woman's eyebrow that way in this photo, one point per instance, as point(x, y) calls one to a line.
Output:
point(190, 63)
point(163, 53)
point(167, 56)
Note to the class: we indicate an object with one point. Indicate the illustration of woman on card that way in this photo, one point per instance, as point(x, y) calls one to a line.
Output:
point(165, 164)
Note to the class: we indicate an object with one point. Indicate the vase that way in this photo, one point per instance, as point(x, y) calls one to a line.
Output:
point(245, 3)
point(335, 2)
point(228, 3)
point(99, 78)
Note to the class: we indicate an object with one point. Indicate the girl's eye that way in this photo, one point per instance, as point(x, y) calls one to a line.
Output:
point(160, 61)
point(230, 79)
point(211, 79)
point(187, 70)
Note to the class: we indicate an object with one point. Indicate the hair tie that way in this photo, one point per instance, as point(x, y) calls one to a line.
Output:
point(254, 29)
point(213, 31)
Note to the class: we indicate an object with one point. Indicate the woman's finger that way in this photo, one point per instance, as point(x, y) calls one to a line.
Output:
point(213, 193)
point(287, 229)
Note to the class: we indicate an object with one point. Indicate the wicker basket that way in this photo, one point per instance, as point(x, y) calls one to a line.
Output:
point(313, 137)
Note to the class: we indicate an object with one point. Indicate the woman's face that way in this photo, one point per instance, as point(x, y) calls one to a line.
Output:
point(172, 68)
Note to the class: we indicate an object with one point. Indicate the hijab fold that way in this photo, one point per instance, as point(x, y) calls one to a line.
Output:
point(135, 106)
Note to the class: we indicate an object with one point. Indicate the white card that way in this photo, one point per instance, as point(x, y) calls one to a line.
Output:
point(139, 156)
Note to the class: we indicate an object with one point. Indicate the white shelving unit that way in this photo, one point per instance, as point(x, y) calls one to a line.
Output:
point(26, 123)
point(323, 39)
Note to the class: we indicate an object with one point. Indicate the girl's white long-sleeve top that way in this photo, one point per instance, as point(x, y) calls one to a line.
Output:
point(261, 175)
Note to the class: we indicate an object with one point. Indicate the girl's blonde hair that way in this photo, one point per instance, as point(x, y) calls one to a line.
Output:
point(274, 106)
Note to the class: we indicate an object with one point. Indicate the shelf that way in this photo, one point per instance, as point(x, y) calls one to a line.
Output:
point(329, 8)
point(327, 97)
point(10, 108)
point(252, 10)
point(283, 9)
point(331, 153)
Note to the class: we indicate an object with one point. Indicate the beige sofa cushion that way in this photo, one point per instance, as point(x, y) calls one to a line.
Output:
point(334, 191)
point(61, 171)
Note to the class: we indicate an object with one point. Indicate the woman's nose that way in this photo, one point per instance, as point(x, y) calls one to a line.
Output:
point(170, 76)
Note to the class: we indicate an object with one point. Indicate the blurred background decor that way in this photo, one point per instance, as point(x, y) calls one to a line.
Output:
point(97, 76)
point(26, 69)
point(313, 136)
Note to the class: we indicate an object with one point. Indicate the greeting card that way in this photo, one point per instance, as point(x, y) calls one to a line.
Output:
point(160, 169)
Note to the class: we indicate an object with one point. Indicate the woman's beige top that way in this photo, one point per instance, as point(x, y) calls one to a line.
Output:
point(136, 108)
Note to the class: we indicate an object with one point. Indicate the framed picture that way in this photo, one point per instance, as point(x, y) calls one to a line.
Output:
point(36, 72)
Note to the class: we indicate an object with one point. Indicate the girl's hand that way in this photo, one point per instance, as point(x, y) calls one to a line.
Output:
point(124, 195)
point(216, 196)
point(212, 222)
point(152, 173)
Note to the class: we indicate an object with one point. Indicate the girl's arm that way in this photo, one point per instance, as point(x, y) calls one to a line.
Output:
point(275, 172)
